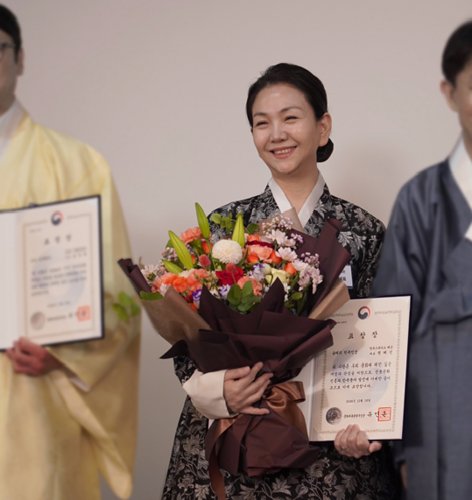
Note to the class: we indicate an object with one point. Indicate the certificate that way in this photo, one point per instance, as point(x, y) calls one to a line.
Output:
point(361, 378)
point(51, 284)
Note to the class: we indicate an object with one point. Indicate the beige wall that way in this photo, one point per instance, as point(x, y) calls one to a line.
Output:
point(158, 87)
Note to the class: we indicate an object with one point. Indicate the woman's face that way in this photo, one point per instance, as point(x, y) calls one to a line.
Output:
point(286, 133)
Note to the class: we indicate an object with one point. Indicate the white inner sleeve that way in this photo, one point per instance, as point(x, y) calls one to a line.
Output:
point(206, 392)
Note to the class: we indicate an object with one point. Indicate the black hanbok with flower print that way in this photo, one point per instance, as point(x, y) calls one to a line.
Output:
point(332, 476)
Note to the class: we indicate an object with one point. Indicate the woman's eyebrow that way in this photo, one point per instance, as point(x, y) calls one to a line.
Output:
point(283, 110)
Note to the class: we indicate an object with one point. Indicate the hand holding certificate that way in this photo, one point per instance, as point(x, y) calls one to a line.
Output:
point(51, 284)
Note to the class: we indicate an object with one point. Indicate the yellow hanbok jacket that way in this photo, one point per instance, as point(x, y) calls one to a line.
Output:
point(54, 436)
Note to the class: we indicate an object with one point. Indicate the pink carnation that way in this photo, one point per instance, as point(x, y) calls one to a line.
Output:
point(191, 234)
point(260, 251)
point(256, 286)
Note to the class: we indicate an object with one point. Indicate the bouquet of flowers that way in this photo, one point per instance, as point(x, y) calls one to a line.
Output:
point(246, 299)
point(240, 270)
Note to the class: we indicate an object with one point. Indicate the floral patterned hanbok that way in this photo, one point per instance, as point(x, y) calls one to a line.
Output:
point(332, 476)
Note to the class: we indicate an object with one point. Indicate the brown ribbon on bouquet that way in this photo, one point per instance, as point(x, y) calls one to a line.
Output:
point(220, 338)
point(282, 399)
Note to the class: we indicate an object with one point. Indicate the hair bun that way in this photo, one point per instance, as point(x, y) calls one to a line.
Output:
point(324, 152)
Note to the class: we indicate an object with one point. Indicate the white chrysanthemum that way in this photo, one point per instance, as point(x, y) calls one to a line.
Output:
point(227, 251)
point(287, 254)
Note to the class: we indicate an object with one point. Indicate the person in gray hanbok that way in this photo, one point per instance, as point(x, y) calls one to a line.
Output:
point(428, 253)
point(287, 111)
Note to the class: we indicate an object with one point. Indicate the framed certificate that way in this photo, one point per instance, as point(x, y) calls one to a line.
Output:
point(51, 287)
point(361, 378)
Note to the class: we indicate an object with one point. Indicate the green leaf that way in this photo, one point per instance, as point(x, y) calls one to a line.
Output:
point(124, 299)
point(196, 244)
point(300, 305)
point(202, 221)
point(245, 307)
point(182, 251)
point(235, 294)
point(216, 218)
point(120, 311)
point(238, 233)
point(247, 289)
point(252, 228)
point(150, 295)
point(171, 267)
point(135, 309)
point(296, 296)
point(169, 244)
point(128, 303)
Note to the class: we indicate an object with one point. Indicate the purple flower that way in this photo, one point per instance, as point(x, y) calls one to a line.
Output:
point(223, 291)
point(196, 296)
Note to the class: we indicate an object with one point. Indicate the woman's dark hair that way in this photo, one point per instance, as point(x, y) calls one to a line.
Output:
point(9, 24)
point(303, 80)
point(458, 52)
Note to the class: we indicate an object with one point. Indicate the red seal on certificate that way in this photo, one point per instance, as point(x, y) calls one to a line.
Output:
point(385, 414)
point(83, 313)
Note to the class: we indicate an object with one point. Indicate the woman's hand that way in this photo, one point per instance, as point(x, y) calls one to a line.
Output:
point(241, 391)
point(31, 359)
point(352, 442)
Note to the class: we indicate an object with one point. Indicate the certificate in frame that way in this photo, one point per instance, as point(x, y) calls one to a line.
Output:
point(52, 287)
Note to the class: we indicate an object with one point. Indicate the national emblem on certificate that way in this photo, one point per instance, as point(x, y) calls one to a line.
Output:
point(51, 286)
point(361, 378)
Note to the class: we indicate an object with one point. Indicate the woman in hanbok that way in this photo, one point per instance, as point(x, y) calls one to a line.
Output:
point(428, 254)
point(290, 124)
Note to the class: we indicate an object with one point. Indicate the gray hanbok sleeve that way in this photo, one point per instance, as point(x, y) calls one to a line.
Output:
point(404, 262)
point(404, 258)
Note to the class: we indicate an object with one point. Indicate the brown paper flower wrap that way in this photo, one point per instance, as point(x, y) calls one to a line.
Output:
point(220, 338)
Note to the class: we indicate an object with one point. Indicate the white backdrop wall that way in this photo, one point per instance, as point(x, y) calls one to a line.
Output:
point(159, 87)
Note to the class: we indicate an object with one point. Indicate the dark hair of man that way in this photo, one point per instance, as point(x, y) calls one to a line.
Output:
point(458, 52)
point(305, 82)
point(9, 24)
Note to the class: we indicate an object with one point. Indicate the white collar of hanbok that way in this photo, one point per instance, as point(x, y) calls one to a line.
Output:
point(309, 205)
point(8, 123)
point(461, 167)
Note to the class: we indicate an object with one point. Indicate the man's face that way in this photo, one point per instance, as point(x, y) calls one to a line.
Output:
point(459, 98)
point(9, 72)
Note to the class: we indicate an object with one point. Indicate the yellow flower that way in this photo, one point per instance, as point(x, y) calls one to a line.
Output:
point(282, 275)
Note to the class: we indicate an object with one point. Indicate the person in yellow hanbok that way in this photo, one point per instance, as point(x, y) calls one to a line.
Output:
point(66, 412)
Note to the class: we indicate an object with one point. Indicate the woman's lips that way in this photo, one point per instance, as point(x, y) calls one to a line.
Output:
point(283, 152)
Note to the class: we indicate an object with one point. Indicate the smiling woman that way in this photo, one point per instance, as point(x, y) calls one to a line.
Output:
point(287, 135)
point(288, 114)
